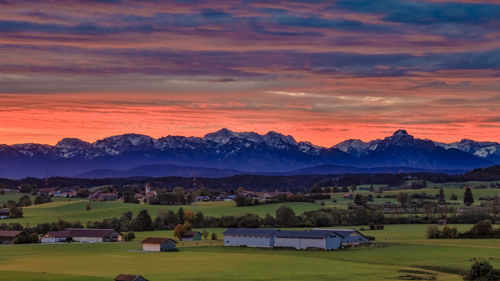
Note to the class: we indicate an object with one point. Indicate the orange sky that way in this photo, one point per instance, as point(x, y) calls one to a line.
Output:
point(322, 72)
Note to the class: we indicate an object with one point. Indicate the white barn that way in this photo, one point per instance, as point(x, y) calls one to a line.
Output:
point(311, 239)
point(249, 237)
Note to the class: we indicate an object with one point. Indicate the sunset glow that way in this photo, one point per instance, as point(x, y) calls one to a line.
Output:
point(323, 72)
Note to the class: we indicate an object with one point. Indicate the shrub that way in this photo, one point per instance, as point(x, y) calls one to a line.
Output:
point(432, 232)
point(482, 271)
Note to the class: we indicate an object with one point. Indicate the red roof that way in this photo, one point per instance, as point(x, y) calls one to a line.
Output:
point(156, 240)
point(9, 233)
point(190, 233)
point(58, 234)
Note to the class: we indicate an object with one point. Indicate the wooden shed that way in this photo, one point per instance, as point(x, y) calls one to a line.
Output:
point(158, 244)
point(191, 236)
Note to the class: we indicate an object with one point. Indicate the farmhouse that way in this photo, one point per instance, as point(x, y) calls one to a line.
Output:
point(7, 236)
point(191, 236)
point(349, 236)
point(249, 237)
point(157, 244)
point(84, 235)
point(311, 239)
point(4, 214)
point(56, 236)
point(128, 277)
point(88, 235)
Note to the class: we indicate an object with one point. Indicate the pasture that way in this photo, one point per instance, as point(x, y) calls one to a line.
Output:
point(75, 210)
point(400, 250)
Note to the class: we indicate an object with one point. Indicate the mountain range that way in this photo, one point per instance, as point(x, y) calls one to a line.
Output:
point(225, 153)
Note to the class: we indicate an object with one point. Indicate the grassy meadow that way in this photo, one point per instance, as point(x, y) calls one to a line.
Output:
point(75, 210)
point(398, 251)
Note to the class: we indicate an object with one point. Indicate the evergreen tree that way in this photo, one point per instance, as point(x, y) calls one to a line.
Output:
point(468, 197)
point(142, 222)
point(180, 215)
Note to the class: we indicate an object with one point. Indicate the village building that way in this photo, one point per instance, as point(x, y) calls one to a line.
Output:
point(157, 244)
point(108, 196)
point(129, 277)
point(48, 191)
point(83, 235)
point(249, 237)
point(348, 196)
point(149, 193)
point(7, 236)
point(191, 236)
point(4, 214)
point(304, 240)
point(203, 198)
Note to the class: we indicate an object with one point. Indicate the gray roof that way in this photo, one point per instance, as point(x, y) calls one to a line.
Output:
point(314, 234)
point(343, 232)
point(251, 231)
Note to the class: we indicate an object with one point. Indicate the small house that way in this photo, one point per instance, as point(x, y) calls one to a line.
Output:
point(129, 277)
point(48, 191)
point(4, 214)
point(442, 222)
point(349, 196)
point(249, 237)
point(191, 236)
point(112, 196)
point(309, 239)
point(157, 244)
point(7, 236)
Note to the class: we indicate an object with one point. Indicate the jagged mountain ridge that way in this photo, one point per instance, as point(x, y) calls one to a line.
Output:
point(486, 150)
point(224, 149)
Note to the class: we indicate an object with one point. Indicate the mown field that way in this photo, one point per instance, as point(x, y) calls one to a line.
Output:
point(75, 210)
point(400, 250)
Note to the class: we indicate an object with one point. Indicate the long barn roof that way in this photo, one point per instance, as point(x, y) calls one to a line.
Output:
point(251, 231)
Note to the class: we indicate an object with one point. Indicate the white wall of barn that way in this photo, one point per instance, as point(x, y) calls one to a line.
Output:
point(300, 243)
point(87, 239)
point(248, 241)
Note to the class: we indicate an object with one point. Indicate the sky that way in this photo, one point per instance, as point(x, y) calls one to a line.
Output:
point(322, 71)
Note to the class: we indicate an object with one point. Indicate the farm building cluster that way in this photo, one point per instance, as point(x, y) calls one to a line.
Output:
point(83, 235)
point(318, 239)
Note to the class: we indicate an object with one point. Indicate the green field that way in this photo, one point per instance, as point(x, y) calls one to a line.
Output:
point(75, 210)
point(11, 195)
point(398, 251)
